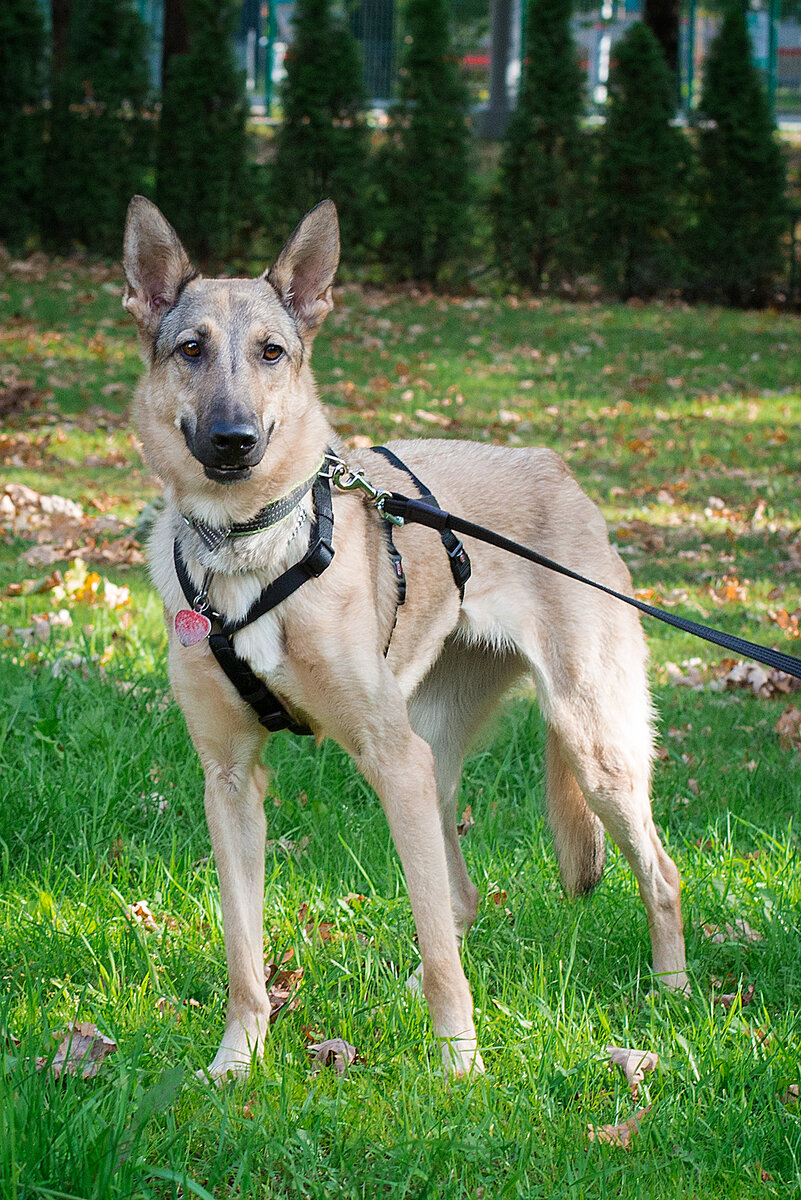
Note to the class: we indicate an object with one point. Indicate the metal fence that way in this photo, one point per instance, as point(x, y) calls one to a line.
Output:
point(266, 31)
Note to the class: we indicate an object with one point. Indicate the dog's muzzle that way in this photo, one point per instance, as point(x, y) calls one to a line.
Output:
point(227, 449)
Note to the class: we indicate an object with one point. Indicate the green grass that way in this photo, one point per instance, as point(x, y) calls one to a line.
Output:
point(102, 802)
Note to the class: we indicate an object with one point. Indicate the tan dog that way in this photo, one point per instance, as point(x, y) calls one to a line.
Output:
point(230, 419)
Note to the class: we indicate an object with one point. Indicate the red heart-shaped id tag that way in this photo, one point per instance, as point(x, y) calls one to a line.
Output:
point(191, 627)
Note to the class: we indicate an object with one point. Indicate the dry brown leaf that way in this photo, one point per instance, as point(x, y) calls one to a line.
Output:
point(634, 1064)
point(618, 1135)
point(334, 1053)
point(81, 1052)
point(740, 931)
point(283, 987)
point(726, 999)
point(466, 822)
point(788, 728)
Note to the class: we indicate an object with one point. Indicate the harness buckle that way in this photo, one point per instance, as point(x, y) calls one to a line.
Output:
point(317, 558)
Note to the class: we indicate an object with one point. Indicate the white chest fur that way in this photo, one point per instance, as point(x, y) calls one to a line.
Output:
point(240, 569)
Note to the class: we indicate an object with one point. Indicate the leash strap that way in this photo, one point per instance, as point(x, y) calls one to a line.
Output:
point(457, 555)
point(421, 512)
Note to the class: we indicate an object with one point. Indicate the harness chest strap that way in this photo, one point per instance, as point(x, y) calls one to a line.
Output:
point(268, 708)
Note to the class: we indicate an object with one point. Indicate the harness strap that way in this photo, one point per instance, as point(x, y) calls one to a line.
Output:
point(312, 565)
point(268, 708)
point(457, 555)
point(421, 513)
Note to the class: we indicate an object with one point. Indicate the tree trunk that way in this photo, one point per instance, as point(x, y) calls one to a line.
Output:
point(176, 34)
point(662, 18)
point(60, 13)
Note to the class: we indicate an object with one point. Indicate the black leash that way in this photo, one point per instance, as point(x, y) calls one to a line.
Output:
point(421, 512)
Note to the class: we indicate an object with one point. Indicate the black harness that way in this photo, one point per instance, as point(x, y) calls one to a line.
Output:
point(268, 708)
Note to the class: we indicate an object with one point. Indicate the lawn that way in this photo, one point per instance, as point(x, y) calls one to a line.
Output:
point(683, 424)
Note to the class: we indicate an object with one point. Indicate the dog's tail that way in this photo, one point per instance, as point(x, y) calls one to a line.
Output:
point(577, 832)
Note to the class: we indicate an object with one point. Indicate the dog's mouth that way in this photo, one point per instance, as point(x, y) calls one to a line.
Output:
point(231, 474)
point(228, 451)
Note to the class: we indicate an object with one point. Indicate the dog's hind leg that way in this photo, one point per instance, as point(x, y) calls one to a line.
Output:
point(447, 709)
point(228, 740)
point(608, 748)
point(596, 702)
point(578, 834)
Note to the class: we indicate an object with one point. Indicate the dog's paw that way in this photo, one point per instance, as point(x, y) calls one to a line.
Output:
point(235, 1057)
point(461, 1056)
point(226, 1065)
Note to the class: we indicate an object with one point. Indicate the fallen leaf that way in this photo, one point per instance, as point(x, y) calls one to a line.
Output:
point(334, 1053)
point(282, 988)
point(81, 1052)
point(618, 1135)
point(740, 931)
point(788, 728)
point(634, 1064)
point(728, 998)
point(466, 822)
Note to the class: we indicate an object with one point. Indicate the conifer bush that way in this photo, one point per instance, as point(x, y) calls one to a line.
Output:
point(424, 168)
point(742, 212)
point(639, 211)
point(202, 173)
point(539, 206)
point(100, 139)
point(22, 47)
point(323, 142)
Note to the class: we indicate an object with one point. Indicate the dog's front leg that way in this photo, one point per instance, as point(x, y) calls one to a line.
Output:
point(228, 740)
point(400, 767)
point(234, 802)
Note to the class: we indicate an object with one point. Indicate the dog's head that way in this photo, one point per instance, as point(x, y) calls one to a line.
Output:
point(227, 359)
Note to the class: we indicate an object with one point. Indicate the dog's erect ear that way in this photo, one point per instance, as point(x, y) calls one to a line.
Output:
point(156, 264)
point(304, 271)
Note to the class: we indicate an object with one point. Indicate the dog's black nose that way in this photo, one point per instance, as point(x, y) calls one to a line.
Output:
point(233, 439)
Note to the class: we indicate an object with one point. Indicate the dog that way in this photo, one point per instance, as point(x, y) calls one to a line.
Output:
point(230, 420)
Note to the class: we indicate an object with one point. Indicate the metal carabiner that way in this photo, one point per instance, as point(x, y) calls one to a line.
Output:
point(349, 481)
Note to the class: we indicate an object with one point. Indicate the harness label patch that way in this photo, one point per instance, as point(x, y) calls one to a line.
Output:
point(191, 627)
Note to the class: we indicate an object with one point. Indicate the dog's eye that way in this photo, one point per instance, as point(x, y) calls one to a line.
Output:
point(190, 349)
point(272, 353)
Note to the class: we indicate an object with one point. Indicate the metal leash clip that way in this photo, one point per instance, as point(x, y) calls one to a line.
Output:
point(347, 480)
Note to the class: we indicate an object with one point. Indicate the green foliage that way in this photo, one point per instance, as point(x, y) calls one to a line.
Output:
point(538, 206)
point(322, 149)
point(202, 151)
point(22, 46)
point(100, 139)
point(742, 212)
point(638, 214)
point(425, 165)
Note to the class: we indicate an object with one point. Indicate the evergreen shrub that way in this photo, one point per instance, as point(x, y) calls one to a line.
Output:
point(323, 141)
point(22, 65)
point(742, 211)
point(539, 205)
point(100, 136)
point(638, 208)
point(424, 167)
point(202, 174)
